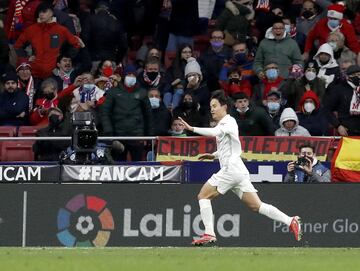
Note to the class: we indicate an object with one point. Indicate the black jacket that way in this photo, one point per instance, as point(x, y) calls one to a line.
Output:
point(338, 98)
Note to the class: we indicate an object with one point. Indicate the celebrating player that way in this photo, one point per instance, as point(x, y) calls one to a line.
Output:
point(233, 174)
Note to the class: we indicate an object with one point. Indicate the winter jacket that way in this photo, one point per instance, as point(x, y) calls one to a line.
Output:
point(294, 89)
point(105, 37)
point(330, 72)
point(321, 174)
point(321, 32)
point(315, 122)
point(201, 94)
point(285, 51)
point(46, 40)
point(12, 105)
point(338, 98)
point(289, 114)
point(236, 25)
point(162, 120)
point(212, 63)
point(127, 113)
point(255, 122)
point(262, 89)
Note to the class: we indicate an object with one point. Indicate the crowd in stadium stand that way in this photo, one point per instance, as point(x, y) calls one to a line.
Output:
point(290, 67)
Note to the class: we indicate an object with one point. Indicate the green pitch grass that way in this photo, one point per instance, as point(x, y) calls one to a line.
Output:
point(184, 259)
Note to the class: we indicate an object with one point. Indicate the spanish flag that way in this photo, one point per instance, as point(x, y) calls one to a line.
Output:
point(345, 165)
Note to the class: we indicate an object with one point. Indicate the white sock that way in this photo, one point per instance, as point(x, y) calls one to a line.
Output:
point(274, 213)
point(207, 216)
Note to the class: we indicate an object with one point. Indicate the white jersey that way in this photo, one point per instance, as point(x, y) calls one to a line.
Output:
point(227, 141)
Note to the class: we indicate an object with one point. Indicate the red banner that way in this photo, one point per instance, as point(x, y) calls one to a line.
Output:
point(255, 148)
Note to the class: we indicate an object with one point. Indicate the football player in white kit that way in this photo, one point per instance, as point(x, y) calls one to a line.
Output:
point(233, 174)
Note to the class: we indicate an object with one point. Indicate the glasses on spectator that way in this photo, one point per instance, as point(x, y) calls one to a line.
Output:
point(278, 28)
point(217, 37)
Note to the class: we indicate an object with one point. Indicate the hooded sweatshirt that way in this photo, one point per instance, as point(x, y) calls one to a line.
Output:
point(289, 114)
point(330, 71)
point(315, 122)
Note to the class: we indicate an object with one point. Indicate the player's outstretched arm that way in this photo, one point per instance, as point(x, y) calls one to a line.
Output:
point(186, 125)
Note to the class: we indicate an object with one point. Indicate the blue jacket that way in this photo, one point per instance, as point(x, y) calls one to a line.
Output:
point(320, 174)
point(12, 105)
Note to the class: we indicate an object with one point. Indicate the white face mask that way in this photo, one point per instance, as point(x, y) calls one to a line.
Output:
point(309, 107)
point(333, 45)
point(130, 81)
point(310, 75)
point(242, 110)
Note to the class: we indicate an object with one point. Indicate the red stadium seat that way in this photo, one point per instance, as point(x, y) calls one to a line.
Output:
point(6, 131)
point(17, 151)
point(28, 130)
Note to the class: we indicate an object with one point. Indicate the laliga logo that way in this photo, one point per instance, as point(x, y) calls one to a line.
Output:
point(84, 222)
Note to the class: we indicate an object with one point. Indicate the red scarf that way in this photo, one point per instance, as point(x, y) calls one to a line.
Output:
point(17, 21)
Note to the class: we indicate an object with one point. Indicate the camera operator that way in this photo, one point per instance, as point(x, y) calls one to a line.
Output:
point(49, 150)
point(307, 169)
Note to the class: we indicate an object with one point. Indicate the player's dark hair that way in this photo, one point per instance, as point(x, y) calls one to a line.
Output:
point(307, 145)
point(222, 98)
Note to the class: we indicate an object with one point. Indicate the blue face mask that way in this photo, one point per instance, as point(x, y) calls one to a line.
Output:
point(240, 58)
point(272, 74)
point(217, 44)
point(155, 102)
point(333, 23)
point(287, 28)
point(130, 81)
point(273, 106)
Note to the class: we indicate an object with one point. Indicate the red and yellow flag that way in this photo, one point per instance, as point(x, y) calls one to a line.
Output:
point(345, 165)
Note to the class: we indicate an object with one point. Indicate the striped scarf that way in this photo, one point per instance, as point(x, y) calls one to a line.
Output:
point(17, 21)
point(29, 90)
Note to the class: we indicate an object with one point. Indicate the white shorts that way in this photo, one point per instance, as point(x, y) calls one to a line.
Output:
point(233, 179)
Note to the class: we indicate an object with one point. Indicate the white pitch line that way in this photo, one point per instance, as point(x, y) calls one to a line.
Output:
point(24, 219)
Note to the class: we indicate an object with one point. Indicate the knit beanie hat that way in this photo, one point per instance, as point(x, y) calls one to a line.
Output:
point(192, 66)
point(336, 11)
point(9, 76)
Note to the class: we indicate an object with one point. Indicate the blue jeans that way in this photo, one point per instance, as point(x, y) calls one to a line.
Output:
point(172, 100)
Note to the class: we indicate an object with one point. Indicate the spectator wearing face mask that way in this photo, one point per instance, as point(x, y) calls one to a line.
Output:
point(190, 111)
point(241, 60)
point(161, 115)
point(329, 69)
point(127, 112)
point(151, 76)
point(271, 81)
point(310, 14)
point(342, 54)
point(236, 84)
point(274, 107)
point(107, 75)
point(344, 98)
point(251, 119)
point(51, 97)
point(291, 30)
point(177, 128)
point(333, 22)
point(213, 59)
point(277, 45)
point(311, 115)
point(195, 83)
point(303, 81)
point(289, 124)
point(50, 150)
